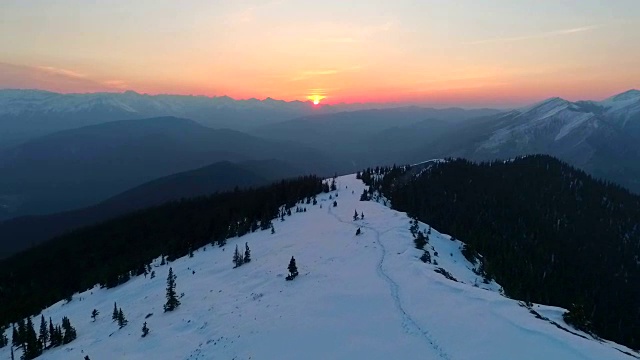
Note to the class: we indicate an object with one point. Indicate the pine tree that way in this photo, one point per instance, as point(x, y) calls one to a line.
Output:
point(4, 341)
point(358, 232)
point(273, 230)
point(52, 333)
point(247, 253)
point(293, 269)
point(69, 331)
point(145, 329)
point(15, 339)
point(122, 321)
point(44, 332)
point(33, 347)
point(355, 216)
point(172, 299)
point(22, 333)
point(236, 258)
point(94, 314)
point(114, 316)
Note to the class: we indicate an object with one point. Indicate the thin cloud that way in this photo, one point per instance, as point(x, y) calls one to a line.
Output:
point(64, 72)
point(116, 84)
point(535, 36)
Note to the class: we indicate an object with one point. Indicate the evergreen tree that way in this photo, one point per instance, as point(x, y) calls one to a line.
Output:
point(4, 341)
point(86, 357)
point(114, 315)
point(33, 347)
point(122, 321)
point(145, 329)
point(333, 185)
point(172, 299)
point(44, 332)
point(335, 203)
point(355, 216)
point(273, 230)
point(52, 335)
point(69, 331)
point(237, 261)
point(247, 253)
point(358, 232)
point(22, 333)
point(94, 314)
point(15, 339)
point(293, 269)
point(420, 240)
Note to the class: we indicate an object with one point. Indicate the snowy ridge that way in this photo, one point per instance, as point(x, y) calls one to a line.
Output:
point(555, 119)
point(15, 102)
point(357, 297)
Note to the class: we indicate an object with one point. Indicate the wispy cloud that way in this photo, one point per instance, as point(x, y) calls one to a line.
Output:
point(308, 74)
point(543, 35)
point(63, 72)
point(116, 84)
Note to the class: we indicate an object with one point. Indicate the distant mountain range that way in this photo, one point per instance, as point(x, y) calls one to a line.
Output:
point(26, 114)
point(602, 137)
point(81, 167)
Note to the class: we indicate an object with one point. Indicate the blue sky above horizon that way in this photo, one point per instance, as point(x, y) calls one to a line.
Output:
point(480, 53)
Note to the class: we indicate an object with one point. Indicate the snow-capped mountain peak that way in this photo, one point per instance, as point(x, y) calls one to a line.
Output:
point(632, 94)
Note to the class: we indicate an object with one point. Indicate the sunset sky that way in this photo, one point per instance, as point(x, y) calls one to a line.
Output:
point(442, 52)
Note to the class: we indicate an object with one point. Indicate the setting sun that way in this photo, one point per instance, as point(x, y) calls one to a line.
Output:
point(316, 99)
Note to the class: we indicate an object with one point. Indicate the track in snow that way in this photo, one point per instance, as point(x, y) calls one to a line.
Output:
point(408, 323)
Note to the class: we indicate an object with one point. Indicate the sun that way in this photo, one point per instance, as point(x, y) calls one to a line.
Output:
point(316, 99)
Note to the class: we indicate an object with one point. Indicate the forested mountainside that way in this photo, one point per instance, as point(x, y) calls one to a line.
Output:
point(110, 252)
point(548, 233)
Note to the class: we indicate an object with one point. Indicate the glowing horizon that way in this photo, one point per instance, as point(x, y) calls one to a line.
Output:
point(498, 53)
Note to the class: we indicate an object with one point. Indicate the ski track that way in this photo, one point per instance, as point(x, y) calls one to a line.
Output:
point(409, 325)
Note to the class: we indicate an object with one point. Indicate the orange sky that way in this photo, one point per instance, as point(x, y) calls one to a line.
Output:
point(468, 53)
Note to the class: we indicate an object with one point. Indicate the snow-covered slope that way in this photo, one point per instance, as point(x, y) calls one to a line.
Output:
point(556, 119)
point(357, 297)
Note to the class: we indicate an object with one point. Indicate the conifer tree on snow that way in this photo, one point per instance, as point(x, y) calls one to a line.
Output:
point(358, 232)
point(355, 216)
point(335, 203)
point(33, 347)
point(52, 333)
point(22, 333)
point(293, 269)
point(94, 314)
point(4, 341)
point(273, 230)
point(122, 321)
point(237, 258)
point(86, 357)
point(69, 331)
point(15, 339)
point(114, 315)
point(172, 300)
point(247, 253)
point(44, 332)
point(145, 329)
